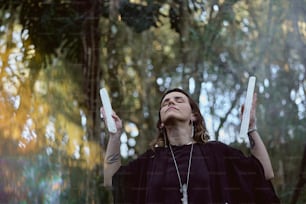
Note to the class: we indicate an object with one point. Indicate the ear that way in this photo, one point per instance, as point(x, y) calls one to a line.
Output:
point(162, 125)
point(193, 117)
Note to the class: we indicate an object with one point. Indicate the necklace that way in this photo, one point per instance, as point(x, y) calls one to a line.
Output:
point(183, 187)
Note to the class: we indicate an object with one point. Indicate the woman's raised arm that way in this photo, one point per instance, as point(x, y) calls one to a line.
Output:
point(257, 146)
point(112, 160)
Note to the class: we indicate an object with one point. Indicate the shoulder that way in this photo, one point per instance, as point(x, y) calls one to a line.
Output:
point(214, 145)
point(220, 148)
point(150, 154)
point(136, 164)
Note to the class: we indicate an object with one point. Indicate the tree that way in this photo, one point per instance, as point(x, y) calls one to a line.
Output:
point(139, 50)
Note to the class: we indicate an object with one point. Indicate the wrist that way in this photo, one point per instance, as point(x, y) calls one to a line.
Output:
point(115, 136)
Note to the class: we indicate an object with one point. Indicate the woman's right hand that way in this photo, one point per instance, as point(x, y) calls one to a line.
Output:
point(117, 119)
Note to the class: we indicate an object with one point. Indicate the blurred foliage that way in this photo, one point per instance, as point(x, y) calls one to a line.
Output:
point(52, 52)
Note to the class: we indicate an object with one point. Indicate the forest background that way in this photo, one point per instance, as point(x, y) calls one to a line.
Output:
point(56, 54)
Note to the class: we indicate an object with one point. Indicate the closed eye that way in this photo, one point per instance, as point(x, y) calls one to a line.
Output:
point(177, 99)
point(165, 103)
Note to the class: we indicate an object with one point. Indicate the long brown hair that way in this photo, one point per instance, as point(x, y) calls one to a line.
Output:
point(200, 130)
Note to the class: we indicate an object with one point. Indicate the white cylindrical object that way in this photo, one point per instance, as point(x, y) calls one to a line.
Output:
point(247, 107)
point(111, 125)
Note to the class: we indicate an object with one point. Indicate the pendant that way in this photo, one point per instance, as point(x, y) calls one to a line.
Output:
point(184, 192)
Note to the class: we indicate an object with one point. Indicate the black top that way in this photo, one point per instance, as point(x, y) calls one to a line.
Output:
point(218, 174)
point(198, 185)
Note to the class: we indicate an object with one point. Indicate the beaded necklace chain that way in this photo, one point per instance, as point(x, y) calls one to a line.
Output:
point(183, 187)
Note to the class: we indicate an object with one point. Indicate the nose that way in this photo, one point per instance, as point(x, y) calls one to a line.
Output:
point(171, 101)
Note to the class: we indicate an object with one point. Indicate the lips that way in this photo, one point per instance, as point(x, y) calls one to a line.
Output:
point(171, 108)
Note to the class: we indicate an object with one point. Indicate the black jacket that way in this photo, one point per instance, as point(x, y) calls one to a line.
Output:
point(231, 178)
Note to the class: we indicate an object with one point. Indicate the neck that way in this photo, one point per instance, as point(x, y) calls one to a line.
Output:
point(179, 134)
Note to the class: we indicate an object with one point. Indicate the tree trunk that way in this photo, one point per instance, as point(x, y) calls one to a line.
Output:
point(112, 53)
point(90, 66)
point(184, 45)
point(92, 75)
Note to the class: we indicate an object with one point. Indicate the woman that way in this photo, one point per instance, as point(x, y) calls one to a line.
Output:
point(183, 167)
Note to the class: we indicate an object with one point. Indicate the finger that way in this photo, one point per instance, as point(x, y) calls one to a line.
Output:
point(242, 109)
point(116, 117)
point(255, 99)
point(253, 111)
point(254, 102)
point(102, 113)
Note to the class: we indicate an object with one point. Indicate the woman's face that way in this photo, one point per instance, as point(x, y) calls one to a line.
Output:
point(175, 107)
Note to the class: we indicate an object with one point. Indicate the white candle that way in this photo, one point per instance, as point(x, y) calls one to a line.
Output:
point(247, 108)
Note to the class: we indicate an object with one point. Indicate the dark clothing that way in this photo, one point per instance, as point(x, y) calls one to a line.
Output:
point(218, 174)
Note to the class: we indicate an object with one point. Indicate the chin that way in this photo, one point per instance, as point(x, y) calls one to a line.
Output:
point(170, 120)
